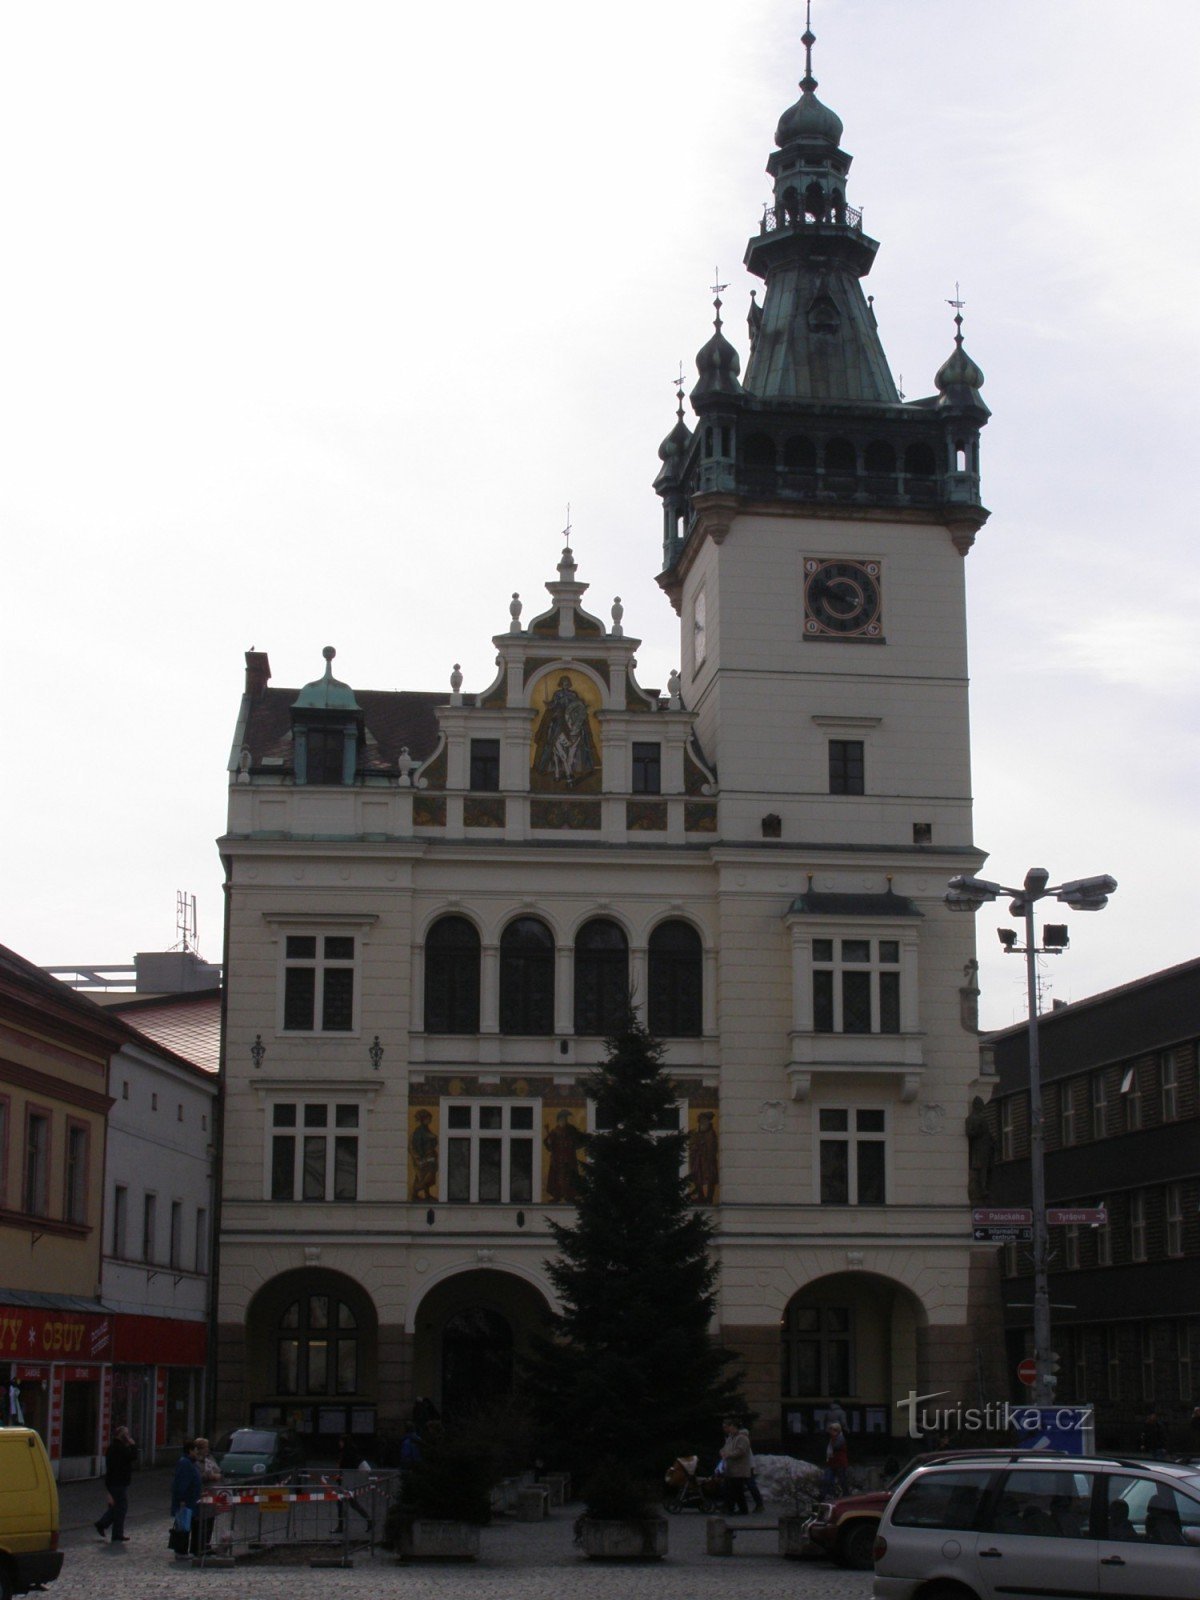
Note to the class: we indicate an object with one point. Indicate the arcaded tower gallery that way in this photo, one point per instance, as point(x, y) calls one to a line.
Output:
point(439, 903)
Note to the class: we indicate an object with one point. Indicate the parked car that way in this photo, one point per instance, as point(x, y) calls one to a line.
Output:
point(29, 1553)
point(845, 1529)
point(253, 1454)
point(1042, 1527)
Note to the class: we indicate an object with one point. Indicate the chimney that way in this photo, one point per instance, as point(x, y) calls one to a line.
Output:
point(258, 673)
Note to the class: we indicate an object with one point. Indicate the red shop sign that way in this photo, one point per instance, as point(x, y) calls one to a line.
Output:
point(39, 1335)
point(81, 1374)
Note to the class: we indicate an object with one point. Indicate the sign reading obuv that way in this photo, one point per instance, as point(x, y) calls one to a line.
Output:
point(35, 1335)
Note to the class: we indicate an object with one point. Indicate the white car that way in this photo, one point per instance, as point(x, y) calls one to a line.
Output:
point(1078, 1528)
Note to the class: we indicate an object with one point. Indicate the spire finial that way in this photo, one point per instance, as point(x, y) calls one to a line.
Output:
point(329, 652)
point(718, 289)
point(566, 533)
point(678, 381)
point(808, 38)
point(958, 303)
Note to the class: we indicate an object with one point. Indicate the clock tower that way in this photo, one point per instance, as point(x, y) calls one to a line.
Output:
point(815, 525)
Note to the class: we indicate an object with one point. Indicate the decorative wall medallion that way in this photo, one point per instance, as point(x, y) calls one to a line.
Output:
point(312, 1255)
point(484, 1257)
point(771, 1116)
point(930, 1118)
point(854, 1258)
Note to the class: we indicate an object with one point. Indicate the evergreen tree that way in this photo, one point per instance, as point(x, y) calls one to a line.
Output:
point(630, 1376)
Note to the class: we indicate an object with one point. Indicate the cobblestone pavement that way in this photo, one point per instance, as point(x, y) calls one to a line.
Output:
point(518, 1560)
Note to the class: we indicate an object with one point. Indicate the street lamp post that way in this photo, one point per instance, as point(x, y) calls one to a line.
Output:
point(1081, 894)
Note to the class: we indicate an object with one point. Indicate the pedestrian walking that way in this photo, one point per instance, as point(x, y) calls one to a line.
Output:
point(735, 1461)
point(185, 1492)
point(204, 1520)
point(1154, 1436)
point(349, 1459)
point(837, 1460)
point(119, 1461)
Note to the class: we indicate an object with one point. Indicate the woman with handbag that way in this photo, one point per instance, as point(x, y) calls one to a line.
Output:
point(185, 1491)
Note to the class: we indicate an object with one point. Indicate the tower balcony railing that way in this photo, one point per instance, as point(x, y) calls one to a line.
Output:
point(823, 483)
point(777, 218)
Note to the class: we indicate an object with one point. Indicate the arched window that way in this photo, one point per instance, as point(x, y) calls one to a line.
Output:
point(676, 987)
point(527, 977)
point(758, 451)
point(841, 458)
point(601, 977)
point(799, 455)
point(818, 1350)
point(317, 1347)
point(879, 457)
point(919, 461)
point(452, 977)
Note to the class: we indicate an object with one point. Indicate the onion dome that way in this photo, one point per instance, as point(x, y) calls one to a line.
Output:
point(672, 452)
point(808, 119)
point(326, 694)
point(959, 379)
point(718, 363)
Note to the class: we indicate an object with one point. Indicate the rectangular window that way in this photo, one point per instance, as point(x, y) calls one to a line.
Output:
point(35, 1185)
point(120, 1228)
point(846, 767)
point(318, 983)
point(1006, 1130)
point(1112, 1357)
point(1183, 1359)
point(1137, 1225)
point(175, 1256)
point(1146, 1350)
point(1169, 1069)
point(485, 764)
point(1099, 1106)
point(1071, 1247)
point(1174, 1198)
point(1104, 1240)
point(314, 1151)
point(75, 1185)
point(201, 1239)
point(647, 769)
point(853, 1155)
point(489, 1151)
point(1131, 1093)
point(149, 1226)
point(1069, 1122)
point(856, 985)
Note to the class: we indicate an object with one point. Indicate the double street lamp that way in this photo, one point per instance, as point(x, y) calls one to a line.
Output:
point(1081, 894)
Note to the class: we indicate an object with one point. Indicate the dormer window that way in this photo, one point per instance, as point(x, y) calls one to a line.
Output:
point(485, 765)
point(327, 727)
point(647, 769)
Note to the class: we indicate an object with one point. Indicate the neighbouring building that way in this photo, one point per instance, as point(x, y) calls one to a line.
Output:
point(1122, 1131)
point(106, 1207)
point(439, 902)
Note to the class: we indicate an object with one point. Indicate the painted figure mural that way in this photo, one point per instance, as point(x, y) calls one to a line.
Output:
point(703, 1168)
point(564, 749)
point(565, 1143)
point(423, 1148)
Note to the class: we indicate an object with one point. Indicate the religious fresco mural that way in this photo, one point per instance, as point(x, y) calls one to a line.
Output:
point(566, 753)
point(423, 1153)
point(704, 1170)
point(564, 1142)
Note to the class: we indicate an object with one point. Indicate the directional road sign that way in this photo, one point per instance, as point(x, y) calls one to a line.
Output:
point(1002, 1217)
point(1076, 1217)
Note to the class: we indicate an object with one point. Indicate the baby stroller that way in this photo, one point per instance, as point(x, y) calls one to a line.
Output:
point(686, 1490)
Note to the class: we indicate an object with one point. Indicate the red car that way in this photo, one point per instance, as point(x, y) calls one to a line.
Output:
point(845, 1529)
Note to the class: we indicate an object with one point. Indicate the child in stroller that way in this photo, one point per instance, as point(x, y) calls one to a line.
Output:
point(686, 1490)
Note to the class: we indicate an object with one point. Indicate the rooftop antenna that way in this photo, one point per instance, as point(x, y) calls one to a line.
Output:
point(185, 923)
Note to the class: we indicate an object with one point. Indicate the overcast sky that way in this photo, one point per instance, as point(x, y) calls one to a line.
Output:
point(317, 316)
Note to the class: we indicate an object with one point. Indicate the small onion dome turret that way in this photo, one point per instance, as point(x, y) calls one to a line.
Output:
point(959, 379)
point(327, 693)
point(718, 364)
point(811, 121)
point(672, 452)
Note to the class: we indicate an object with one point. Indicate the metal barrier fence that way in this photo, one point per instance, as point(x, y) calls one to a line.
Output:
point(328, 1515)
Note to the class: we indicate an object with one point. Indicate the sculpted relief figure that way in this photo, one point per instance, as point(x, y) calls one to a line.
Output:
point(981, 1147)
point(565, 749)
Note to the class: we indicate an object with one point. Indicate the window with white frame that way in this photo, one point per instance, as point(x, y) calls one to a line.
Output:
point(1146, 1350)
point(852, 1164)
point(1099, 1106)
point(856, 985)
point(314, 1151)
point(1068, 1122)
point(318, 983)
point(1169, 1079)
point(1071, 1246)
point(1131, 1093)
point(818, 1349)
point(1137, 1225)
point(1174, 1199)
point(490, 1151)
point(1006, 1129)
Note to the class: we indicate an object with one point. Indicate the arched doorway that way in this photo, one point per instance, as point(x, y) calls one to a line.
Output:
point(854, 1337)
point(470, 1330)
point(312, 1357)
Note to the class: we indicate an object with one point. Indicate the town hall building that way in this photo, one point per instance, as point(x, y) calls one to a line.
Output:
point(440, 903)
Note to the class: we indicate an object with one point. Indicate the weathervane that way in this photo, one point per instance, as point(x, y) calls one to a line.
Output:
point(677, 385)
point(958, 303)
point(808, 38)
point(566, 533)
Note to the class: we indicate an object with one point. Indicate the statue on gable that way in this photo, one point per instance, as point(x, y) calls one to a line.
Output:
point(564, 749)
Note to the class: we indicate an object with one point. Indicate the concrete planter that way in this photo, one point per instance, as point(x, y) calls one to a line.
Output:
point(793, 1541)
point(430, 1539)
point(638, 1539)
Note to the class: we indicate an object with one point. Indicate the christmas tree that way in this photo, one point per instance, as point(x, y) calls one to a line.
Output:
point(630, 1376)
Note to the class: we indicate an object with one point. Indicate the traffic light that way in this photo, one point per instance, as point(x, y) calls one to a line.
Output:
point(1051, 1369)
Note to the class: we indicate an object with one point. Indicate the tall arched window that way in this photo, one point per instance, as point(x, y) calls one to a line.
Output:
point(477, 1362)
point(317, 1347)
point(527, 977)
point(676, 988)
point(818, 1349)
point(452, 977)
point(601, 977)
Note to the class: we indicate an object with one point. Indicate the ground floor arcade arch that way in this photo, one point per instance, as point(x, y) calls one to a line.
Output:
point(469, 1332)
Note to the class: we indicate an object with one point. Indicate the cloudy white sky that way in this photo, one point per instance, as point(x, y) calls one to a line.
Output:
point(317, 316)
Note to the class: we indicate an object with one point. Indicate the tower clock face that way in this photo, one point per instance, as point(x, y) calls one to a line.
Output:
point(842, 599)
point(699, 627)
